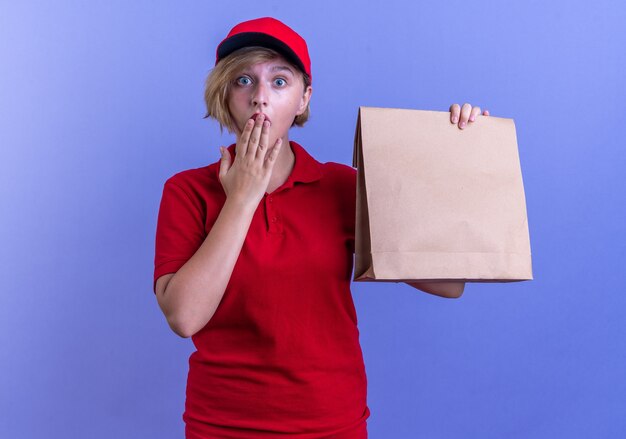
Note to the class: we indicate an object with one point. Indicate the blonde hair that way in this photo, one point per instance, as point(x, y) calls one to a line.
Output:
point(220, 80)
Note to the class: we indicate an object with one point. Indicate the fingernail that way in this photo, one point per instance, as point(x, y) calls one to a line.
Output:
point(462, 124)
point(455, 120)
point(472, 119)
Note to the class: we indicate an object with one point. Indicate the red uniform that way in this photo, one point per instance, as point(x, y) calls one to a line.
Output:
point(281, 354)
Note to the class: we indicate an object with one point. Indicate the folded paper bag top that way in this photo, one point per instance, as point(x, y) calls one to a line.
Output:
point(435, 202)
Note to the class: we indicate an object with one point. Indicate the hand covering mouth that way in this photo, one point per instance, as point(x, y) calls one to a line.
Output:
point(255, 115)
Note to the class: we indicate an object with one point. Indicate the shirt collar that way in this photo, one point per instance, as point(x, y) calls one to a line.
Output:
point(305, 169)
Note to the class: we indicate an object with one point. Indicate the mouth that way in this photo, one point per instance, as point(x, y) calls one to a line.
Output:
point(255, 115)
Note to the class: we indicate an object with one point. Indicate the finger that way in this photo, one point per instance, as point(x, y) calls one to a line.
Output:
point(242, 144)
point(475, 112)
point(486, 113)
point(454, 113)
point(224, 162)
point(255, 136)
point(265, 140)
point(273, 154)
point(465, 111)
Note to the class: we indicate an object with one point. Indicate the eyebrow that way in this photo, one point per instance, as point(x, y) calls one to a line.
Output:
point(277, 68)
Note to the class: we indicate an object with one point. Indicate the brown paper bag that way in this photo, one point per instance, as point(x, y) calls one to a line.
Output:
point(435, 202)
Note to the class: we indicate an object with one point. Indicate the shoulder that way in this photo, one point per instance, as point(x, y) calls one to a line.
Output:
point(340, 180)
point(191, 178)
point(202, 181)
point(201, 186)
point(338, 172)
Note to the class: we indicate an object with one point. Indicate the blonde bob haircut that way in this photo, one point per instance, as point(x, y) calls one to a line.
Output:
point(221, 79)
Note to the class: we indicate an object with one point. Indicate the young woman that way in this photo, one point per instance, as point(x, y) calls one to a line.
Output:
point(254, 258)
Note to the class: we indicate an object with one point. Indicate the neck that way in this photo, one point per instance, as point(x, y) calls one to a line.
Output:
point(283, 166)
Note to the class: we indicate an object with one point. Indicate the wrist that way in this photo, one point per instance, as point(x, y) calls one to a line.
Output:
point(240, 204)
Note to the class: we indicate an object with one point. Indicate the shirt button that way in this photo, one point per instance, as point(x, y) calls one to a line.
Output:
point(274, 219)
point(271, 199)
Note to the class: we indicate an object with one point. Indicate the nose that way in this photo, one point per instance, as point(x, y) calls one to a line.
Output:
point(260, 95)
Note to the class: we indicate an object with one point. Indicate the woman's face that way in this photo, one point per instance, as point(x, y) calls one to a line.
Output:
point(274, 88)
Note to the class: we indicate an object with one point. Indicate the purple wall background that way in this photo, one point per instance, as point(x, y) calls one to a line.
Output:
point(102, 101)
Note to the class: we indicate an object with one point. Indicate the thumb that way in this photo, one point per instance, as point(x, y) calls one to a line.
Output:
point(224, 161)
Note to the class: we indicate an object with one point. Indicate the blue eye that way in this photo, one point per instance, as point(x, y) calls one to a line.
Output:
point(243, 78)
point(283, 81)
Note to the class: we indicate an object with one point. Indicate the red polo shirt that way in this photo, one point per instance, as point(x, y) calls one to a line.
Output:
point(281, 354)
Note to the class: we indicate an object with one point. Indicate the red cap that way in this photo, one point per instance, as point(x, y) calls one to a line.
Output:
point(267, 32)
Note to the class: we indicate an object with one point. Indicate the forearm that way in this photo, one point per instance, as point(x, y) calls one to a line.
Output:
point(195, 291)
point(448, 289)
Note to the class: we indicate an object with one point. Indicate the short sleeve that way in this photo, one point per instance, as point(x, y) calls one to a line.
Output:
point(179, 232)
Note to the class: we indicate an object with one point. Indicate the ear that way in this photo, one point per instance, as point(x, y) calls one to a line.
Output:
point(304, 101)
